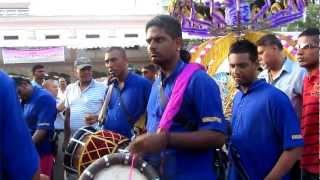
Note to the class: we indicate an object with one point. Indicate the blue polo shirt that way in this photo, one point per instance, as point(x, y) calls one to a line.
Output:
point(134, 97)
point(18, 157)
point(201, 107)
point(290, 81)
point(40, 113)
point(264, 124)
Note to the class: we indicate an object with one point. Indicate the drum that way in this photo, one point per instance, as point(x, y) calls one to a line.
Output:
point(88, 145)
point(117, 167)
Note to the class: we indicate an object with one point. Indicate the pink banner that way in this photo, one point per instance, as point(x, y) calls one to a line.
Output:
point(32, 55)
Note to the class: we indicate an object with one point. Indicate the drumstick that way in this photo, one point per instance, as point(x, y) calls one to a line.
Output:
point(105, 105)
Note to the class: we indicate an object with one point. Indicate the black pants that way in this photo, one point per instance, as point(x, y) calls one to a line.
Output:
point(305, 175)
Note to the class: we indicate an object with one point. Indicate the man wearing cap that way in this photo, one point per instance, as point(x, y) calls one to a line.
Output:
point(83, 99)
point(149, 71)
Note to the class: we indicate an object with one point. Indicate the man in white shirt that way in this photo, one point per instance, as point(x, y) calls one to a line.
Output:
point(83, 100)
point(62, 88)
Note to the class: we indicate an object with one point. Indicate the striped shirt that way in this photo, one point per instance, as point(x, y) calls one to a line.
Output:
point(83, 102)
point(310, 123)
point(59, 122)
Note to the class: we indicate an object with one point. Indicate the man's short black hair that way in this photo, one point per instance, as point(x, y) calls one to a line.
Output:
point(20, 80)
point(245, 46)
point(150, 67)
point(313, 32)
point(185, 55)
point(119, 49)
point(170, 24)
point(36, 67)
point(268, 40)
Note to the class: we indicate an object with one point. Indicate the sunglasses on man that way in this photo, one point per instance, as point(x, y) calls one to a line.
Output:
point(306, 46)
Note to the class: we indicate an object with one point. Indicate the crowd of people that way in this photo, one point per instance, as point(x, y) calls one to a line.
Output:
point(273, 132)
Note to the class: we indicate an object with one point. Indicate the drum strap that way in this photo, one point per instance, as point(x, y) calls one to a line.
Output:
point(105, 106)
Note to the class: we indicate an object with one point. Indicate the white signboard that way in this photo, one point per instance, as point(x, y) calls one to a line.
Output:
point(32, 55)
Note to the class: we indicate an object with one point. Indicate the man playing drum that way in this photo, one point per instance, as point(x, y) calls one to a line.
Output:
point(184, 151)
point(83, 100)
point(129, 95)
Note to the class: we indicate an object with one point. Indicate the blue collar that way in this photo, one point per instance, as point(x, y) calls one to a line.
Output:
point(180, 65)
point(254, 85)
point(35, 91)
point(127, 81)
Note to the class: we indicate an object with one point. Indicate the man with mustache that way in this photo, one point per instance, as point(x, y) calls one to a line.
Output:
point(129, 95)
point(184, 151)
point(83, 101)
point(265, 141)
point(308, 57)
point(39, 74)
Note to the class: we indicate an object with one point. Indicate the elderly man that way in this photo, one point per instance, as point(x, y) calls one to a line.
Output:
point(52, 86)
point(83, 99)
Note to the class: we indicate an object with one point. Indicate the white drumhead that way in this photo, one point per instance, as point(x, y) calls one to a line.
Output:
point(119, 172)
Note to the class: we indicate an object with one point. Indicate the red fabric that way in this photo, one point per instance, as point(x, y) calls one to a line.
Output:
point(310, 123)
point(46, 165)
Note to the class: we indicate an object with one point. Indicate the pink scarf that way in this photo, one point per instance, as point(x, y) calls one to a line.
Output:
point(177, 94)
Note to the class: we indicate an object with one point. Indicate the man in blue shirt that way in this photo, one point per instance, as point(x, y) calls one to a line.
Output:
point(266, 139)
point(284, 74)
point(18, 157)
point(39, 111)
point(129, 96)
point(186, 151)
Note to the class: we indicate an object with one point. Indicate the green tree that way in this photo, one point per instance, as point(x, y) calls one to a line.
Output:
point(312, 19)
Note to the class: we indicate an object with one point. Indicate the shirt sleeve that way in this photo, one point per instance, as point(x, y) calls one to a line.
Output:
point(18, 154)
point(286, 122)
point(46, 111)
point(207, 100)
